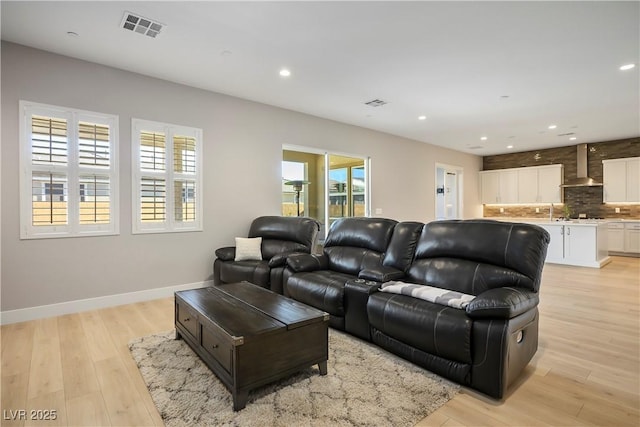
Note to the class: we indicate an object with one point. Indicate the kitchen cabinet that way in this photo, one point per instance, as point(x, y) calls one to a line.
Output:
point(624, 238)
point(621, 180)
point(499, 186)
point(540, 184)
point(581, 244)
point(615, 237)
point(537, 184)
point(632, 238)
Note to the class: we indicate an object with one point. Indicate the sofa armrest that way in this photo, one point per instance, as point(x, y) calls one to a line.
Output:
point(280, 260)
point(227, 253)
point(381, 274)
point(307, 262)
point(502, 303)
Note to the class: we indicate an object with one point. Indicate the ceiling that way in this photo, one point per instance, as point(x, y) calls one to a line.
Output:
point(501, 70)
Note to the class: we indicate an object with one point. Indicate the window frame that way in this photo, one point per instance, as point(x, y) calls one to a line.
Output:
point(170, 176)
point(73, 170)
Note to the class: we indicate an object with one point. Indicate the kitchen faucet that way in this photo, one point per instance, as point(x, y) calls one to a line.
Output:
point(551, 212)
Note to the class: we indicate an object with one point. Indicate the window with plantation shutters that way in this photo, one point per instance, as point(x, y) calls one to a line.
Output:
point(69, 172)
point(166, 177)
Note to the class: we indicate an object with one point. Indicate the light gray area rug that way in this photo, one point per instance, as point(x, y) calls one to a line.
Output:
point(365, 386)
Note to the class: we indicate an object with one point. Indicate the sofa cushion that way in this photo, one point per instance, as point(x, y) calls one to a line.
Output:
point(284, 234)
point(323, 290)
point(462, 275)
point(429, 327)
point(508, 246)
point(351, 260)
point(256, 272)
point(367, 233)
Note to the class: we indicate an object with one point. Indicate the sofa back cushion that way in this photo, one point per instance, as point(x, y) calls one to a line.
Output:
point(354, 244)
point(402, 246)
point(475, 255)
point(284, 234)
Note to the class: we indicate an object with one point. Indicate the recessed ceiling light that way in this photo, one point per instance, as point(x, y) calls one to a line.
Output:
point(509, 146)
point(573, 138)
point(483, 138)
point(627, 67)
point(285, 73)
point(552, 126)
point(422, 117)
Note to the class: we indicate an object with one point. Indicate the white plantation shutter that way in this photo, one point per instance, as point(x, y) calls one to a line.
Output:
point(69, 172)
point(166, 177)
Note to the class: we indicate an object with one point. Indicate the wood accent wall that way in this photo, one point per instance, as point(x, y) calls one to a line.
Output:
point(587, 200)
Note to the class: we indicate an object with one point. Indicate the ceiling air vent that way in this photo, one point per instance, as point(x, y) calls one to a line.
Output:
point(376, 103)
point(141, 25)
point(475, 147)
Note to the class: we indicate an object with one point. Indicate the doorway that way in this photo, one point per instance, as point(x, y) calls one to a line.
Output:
point(448, 192)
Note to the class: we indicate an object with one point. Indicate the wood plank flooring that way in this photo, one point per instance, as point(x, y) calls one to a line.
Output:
point(586, 371)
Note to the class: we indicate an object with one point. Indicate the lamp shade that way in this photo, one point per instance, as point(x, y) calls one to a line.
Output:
point(297, 184)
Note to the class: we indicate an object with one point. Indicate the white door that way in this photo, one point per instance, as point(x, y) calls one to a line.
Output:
point(509, 186)
point(448, 192)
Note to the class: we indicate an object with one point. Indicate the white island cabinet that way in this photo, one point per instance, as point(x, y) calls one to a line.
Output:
point(577, 243)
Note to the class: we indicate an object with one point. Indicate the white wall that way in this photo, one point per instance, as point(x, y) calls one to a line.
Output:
point(242, 154)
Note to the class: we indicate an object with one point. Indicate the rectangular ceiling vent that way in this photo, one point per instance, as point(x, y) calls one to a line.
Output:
point(475, 147)
point(141, 25)
point(566, 134)
point(376, 103)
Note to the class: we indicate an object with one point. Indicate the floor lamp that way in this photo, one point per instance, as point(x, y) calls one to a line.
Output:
point(297, 187)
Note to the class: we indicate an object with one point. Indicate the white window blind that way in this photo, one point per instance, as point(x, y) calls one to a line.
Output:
point(166, 177)
point(68, 172)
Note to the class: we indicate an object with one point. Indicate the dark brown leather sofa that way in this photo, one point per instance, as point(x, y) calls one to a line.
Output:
point(484, 346)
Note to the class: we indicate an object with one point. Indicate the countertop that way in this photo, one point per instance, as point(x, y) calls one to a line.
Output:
point(572, 222)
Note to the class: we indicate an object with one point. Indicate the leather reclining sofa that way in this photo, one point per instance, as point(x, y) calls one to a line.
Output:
point(484, 346)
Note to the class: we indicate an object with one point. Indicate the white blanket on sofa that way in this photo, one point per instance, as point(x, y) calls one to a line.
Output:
point(429, 293)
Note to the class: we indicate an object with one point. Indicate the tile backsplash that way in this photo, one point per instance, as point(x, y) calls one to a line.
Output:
point(580, 200)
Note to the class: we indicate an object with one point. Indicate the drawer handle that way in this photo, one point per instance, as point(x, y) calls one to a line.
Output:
point(214, 346)
point(186, 319)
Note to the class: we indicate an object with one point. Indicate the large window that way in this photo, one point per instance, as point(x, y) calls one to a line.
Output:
point(167, 183)
point(69, 172)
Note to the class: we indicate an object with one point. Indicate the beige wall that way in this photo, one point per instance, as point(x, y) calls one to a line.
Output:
point(242, 179)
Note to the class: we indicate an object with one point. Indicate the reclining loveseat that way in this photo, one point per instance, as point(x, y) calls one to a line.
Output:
point(458, 297)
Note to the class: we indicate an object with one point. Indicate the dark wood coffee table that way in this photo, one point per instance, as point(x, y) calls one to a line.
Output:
point(249, 336)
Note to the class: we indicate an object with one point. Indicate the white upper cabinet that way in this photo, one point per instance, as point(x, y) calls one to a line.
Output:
point(550, 178)
point(538, 184)
point(528, 185)
point(621, 180)
point(499, 186)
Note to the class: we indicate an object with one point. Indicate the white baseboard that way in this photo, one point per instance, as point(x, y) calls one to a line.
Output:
point(52, 310)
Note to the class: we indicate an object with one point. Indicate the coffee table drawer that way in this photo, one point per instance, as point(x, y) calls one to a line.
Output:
point(188, 319)
point(217, 345)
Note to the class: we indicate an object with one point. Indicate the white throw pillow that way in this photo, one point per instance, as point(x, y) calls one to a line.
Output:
point(248, 248)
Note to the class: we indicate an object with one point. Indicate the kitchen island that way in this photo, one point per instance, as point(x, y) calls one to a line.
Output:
point(581, 243)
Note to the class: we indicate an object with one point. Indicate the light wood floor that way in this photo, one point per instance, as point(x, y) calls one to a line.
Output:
point(586, 370)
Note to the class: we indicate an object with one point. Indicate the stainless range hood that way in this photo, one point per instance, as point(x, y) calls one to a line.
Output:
point(582, 180)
